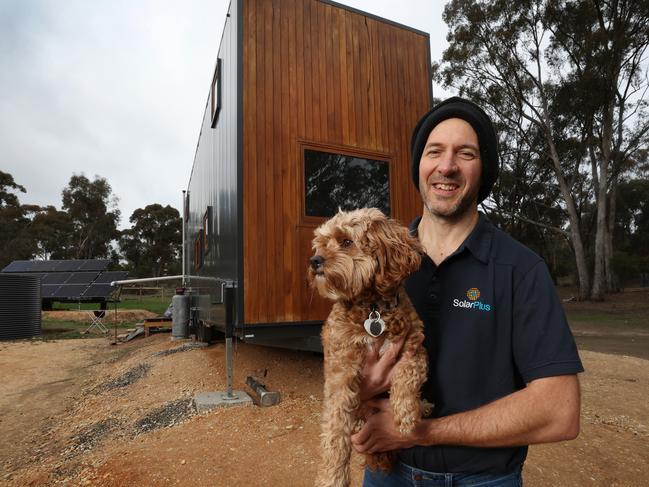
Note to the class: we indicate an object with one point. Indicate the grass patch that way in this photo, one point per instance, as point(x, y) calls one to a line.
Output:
point(67, 329)
point(154, 304)
point(613, 318)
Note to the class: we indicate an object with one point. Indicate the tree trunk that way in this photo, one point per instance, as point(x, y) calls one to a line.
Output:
point(612, 280)
point(573, 218)
point(601, 234)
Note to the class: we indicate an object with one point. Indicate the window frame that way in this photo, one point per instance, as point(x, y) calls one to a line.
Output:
point(314, 221)
point(198, 250)
point(215, 93)
point(207, 230)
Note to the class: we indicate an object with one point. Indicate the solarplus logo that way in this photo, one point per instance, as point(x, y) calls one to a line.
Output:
point(472, 301)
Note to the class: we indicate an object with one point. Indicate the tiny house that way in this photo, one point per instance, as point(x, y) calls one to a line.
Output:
point(310, 108)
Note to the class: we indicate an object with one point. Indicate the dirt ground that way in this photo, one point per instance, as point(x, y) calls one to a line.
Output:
point(83, 412)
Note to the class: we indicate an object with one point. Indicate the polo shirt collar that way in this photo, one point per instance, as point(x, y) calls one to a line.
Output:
point(478, 242)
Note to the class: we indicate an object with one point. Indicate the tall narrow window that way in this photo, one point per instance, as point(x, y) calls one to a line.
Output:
point(215, 93)
point(343, 181)
point(207, 230)
point(198, 250)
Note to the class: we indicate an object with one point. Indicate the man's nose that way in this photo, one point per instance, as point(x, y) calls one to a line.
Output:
point(447, 165)
point(316, 262)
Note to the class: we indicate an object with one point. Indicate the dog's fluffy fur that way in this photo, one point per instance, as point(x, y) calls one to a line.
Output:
point(361, 258)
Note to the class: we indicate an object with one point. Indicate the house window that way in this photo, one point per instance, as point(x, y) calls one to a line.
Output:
point(198, 250)
point(207, 230)
point(334, 180)
point(215, 93)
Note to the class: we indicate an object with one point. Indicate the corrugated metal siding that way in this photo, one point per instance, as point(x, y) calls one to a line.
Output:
point(20, 306)
point(213, 180)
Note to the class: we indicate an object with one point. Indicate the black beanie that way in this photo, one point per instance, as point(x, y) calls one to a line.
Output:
point(457, 107)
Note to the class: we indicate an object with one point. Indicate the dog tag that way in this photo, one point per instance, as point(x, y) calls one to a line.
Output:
point(374, 326)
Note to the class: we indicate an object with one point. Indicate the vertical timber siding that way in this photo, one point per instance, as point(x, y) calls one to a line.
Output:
point(317, 73)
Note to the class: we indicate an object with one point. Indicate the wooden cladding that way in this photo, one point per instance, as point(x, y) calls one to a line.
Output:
point(316, 74)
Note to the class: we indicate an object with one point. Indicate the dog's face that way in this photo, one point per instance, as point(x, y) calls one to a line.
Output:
point(360, 251)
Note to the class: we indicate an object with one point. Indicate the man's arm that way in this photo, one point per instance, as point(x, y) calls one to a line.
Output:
point(547, 410)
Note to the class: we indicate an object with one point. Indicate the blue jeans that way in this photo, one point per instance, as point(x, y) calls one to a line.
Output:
point(405, 476)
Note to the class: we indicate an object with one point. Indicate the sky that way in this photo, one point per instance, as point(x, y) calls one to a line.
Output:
point(117, 89)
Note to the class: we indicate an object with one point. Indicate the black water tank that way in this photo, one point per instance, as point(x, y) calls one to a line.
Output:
point(20, 306)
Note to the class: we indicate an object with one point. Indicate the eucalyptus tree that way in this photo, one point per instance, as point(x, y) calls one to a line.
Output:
point(92, 208)
point(566, 80)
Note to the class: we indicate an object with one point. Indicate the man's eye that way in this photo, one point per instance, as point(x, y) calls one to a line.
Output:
point(467, 155)
point(346, 243)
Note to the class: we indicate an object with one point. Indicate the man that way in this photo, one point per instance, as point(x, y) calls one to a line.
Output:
point(502, 359)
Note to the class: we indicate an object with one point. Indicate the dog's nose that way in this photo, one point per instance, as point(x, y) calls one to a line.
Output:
point(316, 262)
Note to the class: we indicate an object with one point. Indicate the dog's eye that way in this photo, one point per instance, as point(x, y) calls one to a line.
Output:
point(346, 243)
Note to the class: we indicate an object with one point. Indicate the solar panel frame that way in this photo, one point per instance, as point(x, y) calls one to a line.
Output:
point(99, 291)
point(82, 277)
point(18, 266)
point(49, 290)
point(71, 291)
point(43, 266)
point(94, 265)
point(110, 276)
point(56, 278)
point(68, 265)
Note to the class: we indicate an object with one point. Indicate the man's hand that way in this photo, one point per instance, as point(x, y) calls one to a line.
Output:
point(379, 433)
point(377, 370)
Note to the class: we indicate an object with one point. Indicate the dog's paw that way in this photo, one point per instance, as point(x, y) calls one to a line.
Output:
point(426, 408)
point(407, 424)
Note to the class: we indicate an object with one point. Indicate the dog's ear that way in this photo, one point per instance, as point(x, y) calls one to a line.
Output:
point(397, 252)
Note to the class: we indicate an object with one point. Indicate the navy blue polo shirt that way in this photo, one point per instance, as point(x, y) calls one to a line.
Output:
point(493, 322)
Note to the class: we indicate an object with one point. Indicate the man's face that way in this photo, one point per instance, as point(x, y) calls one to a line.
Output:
point(450, 169)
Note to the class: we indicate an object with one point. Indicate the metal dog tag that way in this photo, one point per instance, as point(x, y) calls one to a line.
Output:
point(374, 325)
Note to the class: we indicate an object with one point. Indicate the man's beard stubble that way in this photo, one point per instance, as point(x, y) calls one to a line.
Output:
point(455, 212)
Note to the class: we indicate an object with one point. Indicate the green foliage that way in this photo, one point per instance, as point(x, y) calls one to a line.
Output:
point(565, 83)
point(93, 212)
point(15, 240)
point(629, 266)
point(632, 222)
point(51, 230)
point(152, 245)
point(7, 188)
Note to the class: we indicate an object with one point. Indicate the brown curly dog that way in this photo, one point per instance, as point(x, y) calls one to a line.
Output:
point(361, 259)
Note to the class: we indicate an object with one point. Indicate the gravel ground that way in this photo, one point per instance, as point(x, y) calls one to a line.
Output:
point(126, 379)
point(166, 416)
point(56, 430)
point(89, 437)
point(186, 347)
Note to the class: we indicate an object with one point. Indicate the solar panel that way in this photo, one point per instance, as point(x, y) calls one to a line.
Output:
point(68, 265)
point(110, 276)
point(70, 291)
point(82, 278)
point(99, 291)
point(18, 266)
point(43, 265)
point(56, 277)
point(72, 279)
point(94, 265)
point(48, 290)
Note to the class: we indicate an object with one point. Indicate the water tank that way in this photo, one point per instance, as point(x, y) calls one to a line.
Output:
point(180, 317)
point(20, 306)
